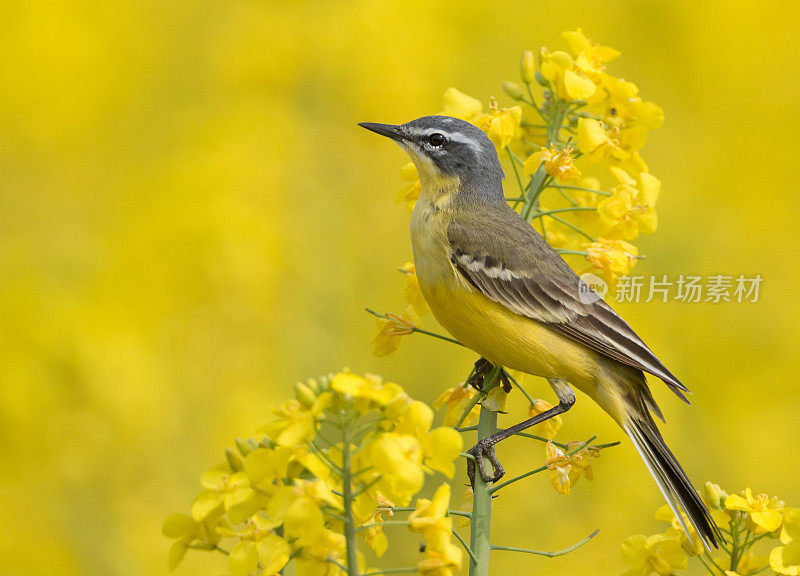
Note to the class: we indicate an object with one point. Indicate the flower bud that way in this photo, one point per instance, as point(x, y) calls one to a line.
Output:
point(245, 446)
point(715, 496)
point(513, 90)
point(396, 406)
point(540, 79)
point(234, 460)
point(305, 395)
point(526, 67)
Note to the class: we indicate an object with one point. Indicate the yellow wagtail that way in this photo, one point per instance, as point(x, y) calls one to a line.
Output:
point(496, 285)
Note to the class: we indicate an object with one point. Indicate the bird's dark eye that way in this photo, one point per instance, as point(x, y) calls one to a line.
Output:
point(436, 139)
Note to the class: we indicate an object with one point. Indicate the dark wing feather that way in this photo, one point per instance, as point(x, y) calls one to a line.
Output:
point(514, 266)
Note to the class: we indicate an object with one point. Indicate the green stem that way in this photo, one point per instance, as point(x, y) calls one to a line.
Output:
point(521, 389)
point(566, 550)
point(420, 330)
point(460, 538)
point(569, 187)
point(578, 448)
point(387, 523)
point(558, 210)
point(480, 524)
point(571, 225)
point(533, 102)
point(714, 562)
point(347, 502)
point(392, 571)
point(473, 401)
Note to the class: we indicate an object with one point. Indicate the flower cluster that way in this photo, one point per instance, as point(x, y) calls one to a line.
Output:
point(745, 520)
point(573, 142)
point(335, 461)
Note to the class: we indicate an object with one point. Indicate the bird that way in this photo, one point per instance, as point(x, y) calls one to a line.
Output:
point(497, 286)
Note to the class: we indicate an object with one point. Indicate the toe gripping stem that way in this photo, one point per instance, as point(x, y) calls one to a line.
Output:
point(485, 447)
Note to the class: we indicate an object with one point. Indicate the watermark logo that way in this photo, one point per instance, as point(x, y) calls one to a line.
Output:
point(591, 288)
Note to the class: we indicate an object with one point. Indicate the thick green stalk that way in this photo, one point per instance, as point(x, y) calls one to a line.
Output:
point(480, 524)
point(347, 503)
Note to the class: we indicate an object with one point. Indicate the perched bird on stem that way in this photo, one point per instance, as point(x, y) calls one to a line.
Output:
point(500, 289)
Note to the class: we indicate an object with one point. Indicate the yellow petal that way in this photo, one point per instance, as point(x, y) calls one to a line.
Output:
point(243, 558)
point(769, 520)
point(273, 553)
point(736, 502)
point(176, 525)
point(495, 400)
point(205, 503)
point(456, 103)
point(442, 446)
point(578, 87)
point(591, 135)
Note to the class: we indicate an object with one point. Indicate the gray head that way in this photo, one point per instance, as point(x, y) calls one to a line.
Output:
point(444, 148)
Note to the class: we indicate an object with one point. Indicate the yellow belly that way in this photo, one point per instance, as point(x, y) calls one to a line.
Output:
point(506, 338)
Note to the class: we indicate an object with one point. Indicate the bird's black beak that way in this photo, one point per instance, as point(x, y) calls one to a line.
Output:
point(388, 130)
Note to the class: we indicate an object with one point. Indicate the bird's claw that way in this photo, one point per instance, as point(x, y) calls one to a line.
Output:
point(482, 368)
point(484, 448)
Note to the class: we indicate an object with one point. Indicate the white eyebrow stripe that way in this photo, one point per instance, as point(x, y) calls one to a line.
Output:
point(454, 136)
point(458, 137)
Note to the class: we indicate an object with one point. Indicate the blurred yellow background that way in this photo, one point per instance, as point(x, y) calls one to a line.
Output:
point(190, 221)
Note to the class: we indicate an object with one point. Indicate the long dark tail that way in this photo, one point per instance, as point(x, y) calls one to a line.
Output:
point(671, 479)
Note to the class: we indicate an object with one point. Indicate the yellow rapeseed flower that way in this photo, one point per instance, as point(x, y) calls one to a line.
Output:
point(413, 294)
point(227, 489)
point(595, 142)
point(398, 460)
point(500, 124)
point(558, 163)
point(457, 399)
point(630, 211)
point(660, 553)
point(389, 331)
point(692, 544)
point(439, 446)
point(459, 105)
point(189, 531)
point(431, 519)
point(432, 514)
point(589, 56)
point(410, 190)
point(786, 559)
point(296, 424)
point(258, 547)
point(613, 257)
point(565, 471)
point(568, 81)
point(368, 391)
point(764, 514)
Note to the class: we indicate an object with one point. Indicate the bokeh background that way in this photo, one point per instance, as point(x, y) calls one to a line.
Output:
point(190, 221)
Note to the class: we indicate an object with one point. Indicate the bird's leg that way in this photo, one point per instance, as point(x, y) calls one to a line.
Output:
point(485, 447)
